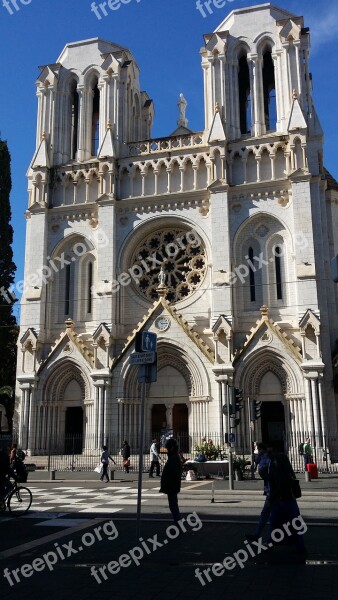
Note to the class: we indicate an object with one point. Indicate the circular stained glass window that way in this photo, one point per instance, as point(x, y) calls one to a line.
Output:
point(180, 257)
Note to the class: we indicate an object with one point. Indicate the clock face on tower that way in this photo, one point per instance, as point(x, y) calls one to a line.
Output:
point(175, 258)
point(162, 323)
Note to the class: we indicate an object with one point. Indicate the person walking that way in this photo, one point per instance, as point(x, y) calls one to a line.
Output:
point(125, 451)
point(105, 456)
point(154, 459)
point(284, 506)
point(263, 464)
point(171, 478)
point(307, 453)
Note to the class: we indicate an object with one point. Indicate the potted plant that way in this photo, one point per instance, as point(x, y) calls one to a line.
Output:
point(238, 464)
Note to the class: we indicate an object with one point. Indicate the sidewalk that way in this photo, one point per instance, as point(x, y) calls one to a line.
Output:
point(169, 572)
point(324, 482)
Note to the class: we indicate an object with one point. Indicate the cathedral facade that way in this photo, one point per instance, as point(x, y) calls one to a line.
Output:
point(218, 240)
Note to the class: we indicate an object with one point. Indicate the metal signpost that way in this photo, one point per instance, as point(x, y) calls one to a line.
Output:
point(230, 442)
point(146, 357)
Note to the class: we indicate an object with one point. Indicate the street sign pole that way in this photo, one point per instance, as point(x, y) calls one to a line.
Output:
point(145, 357)
point(251, 426)
point(140, 461)
point(231, 473)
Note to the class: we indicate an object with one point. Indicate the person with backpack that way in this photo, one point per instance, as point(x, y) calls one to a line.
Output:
point(307, 453)
point(18, 468)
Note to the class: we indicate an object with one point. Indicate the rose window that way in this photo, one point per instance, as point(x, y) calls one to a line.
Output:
point(174, 257)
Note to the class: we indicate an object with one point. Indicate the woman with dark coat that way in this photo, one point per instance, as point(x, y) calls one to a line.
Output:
point(171, 478)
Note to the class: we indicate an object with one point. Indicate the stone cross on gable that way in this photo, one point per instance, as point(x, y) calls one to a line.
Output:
point(182, 106)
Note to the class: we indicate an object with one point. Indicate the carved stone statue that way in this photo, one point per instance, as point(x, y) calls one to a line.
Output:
point(162, 277)
point(182, 106)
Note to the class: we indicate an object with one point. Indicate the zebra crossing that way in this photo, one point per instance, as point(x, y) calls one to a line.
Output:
point(86, 500)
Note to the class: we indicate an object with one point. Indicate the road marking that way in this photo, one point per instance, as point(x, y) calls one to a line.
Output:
point(49, 538)
point(193, 487)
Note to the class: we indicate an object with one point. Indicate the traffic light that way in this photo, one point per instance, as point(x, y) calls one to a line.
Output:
point(236, 402)
point(235, 407)
point(255, 409)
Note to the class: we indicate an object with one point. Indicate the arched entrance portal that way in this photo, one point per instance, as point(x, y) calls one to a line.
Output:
point(74, 430)
point(169, 401)
point(273, 424)
point(272, 411)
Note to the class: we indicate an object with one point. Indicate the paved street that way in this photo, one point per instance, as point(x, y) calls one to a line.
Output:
point(65, 513)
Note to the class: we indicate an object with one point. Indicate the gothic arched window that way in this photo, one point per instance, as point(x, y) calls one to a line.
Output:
point(74, 115)
point(252, 275)
point(95, 120)
point(278, 251)
point(89, 298)
point(269, 91)
point(244, 95)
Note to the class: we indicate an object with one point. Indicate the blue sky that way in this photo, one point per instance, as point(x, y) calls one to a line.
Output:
point(165, 37)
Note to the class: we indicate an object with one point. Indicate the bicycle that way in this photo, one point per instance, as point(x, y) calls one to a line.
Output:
point(17, 499)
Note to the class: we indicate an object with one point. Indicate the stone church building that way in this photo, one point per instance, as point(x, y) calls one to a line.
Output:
point(217, 240)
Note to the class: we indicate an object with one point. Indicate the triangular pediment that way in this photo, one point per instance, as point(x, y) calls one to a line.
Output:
point(217, 43)
point(297, 120)
point(300, 175)
point(309, 318)
point(290, 31)
point(222, 325)
point(267, 333)
point(102, 331)
point(40, 158)
point(31, 336)
point(217, 131)
point(107, 148)
point(219, 185)
point(49, 75)
point(69, 344)
point(163, 308)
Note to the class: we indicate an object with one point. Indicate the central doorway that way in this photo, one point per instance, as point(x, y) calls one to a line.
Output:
point(273, 425)
point(74, 430)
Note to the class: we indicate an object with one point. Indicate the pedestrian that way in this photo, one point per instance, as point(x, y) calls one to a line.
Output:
point(125, 452)
point(283, 504)
point(12, 456)
point(171, 478)
point(307, 453)
point(5, 468)
point(263, 462)
point(154, 459)
point(105, 456)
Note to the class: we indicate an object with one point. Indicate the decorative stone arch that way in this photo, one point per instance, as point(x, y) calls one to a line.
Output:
point(252, 370)
point(54, 386)
point(190, 366)
point(265, 41)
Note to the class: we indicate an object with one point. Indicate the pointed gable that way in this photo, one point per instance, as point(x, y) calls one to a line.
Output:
point(217, 131)
point(161, 306)
point(296, 119)
point(265, 324)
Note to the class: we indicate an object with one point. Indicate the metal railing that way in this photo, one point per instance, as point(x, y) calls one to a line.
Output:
point(82, 453)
